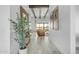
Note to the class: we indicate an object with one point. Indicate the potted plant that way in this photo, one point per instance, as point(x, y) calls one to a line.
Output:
point(22, 29)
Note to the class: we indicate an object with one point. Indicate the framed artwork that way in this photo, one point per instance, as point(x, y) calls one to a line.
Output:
point(55, 19)
point(23, 13)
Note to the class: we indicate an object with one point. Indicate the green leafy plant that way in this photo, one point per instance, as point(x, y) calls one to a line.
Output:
point(22, 29)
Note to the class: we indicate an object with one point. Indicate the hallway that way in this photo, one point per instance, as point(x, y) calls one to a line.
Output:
point(45, 27)
point(39, 44)
point(42, 46)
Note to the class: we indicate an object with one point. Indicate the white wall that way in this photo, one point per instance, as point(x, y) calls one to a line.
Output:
point(61, 38)
point(14, 47)
point(76, 16)
point(76, 10)
point(7, 12)
point(72, 33)
point(75, 27)
point(4, 29)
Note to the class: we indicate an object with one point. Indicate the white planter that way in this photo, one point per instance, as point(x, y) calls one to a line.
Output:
point(23, 51)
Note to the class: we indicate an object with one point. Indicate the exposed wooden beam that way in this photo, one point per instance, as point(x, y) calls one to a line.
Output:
point(33, 12)
point(37, 6)
point(46, 12)
point(40, 13)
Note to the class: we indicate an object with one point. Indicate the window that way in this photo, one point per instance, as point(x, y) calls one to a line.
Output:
point(43, 26)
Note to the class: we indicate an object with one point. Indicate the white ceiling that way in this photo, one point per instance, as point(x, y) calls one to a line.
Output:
point(29, 11)
point(40, 12)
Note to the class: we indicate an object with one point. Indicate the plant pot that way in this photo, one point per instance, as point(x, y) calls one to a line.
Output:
point(23, 51)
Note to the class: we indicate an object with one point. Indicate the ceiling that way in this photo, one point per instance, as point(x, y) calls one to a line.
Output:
point(39, 11)
point(45, 15)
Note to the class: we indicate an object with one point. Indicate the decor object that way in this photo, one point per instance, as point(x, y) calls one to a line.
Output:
point(40, 32)
point(21, 27)
point(55, 18)
point(42, 29)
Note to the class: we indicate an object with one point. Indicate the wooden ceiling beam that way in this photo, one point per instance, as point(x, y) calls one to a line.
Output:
point(37, 6)
point(46, 12)
point(40, 13)
point(33, 12)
